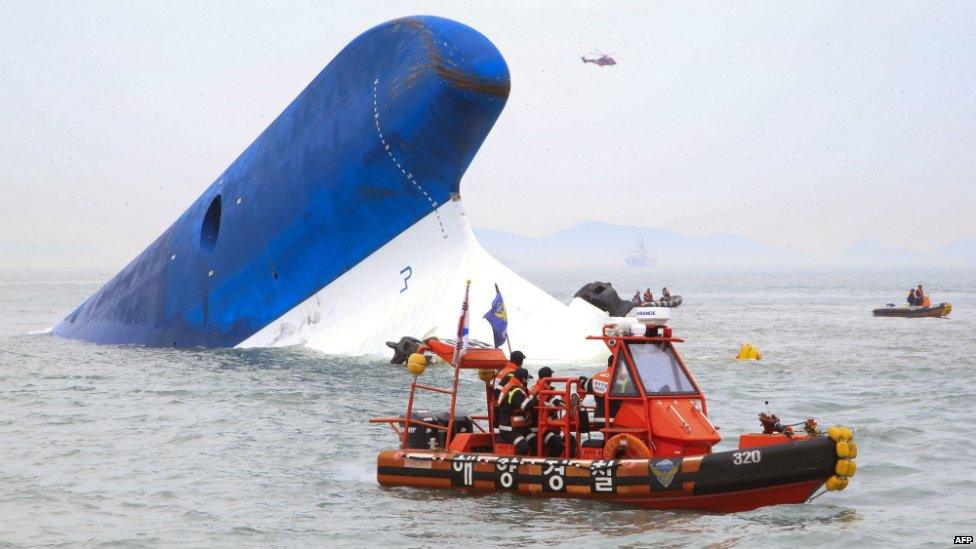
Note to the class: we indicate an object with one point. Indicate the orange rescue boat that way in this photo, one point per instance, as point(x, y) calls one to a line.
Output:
point(655, 452)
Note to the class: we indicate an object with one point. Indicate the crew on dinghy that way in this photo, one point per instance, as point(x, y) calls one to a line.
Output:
point(923, 300)
point(917, 298)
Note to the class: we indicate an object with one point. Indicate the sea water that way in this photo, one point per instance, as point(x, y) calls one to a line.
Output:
point(125, 445)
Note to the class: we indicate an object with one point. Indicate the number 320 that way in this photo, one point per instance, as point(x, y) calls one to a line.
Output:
point(741, 458)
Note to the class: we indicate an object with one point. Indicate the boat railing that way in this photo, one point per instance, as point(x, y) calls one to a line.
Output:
point(568, 408)
point(408, 419)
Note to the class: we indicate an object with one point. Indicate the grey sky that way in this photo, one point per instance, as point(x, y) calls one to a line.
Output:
point(810, 125)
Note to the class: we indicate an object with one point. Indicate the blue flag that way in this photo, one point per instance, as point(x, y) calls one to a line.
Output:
point(498, 318)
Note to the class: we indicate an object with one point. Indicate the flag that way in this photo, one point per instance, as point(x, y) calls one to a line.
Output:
point(498, 318)
point(461, 346)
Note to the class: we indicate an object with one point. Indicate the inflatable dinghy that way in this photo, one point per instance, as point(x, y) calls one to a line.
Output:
point(941, 310)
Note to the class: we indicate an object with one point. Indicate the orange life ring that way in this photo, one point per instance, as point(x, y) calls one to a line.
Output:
point(634, 448)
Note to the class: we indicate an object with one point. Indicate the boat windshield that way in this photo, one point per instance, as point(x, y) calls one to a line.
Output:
point(623, 385)
point(659, 369)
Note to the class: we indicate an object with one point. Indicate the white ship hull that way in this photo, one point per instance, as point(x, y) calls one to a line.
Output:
point(414, 285)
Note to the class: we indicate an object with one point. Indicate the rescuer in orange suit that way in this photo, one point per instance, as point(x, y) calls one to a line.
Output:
point(598, 385)
point(505, 374)
point(513, 413)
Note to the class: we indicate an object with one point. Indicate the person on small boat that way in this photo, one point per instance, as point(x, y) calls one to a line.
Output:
point(542, 383)
point(598, 386)
point(665, 293)
point(923, 300)
point(505, 374)
point(513, 413)
point(912, 301)
point(648, 296)
point(552, 439)
point(636, 300)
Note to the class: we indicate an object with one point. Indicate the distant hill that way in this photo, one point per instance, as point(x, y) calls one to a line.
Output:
point(873, 253)
point(589, 244)
point(594, 243)
point(962, 252)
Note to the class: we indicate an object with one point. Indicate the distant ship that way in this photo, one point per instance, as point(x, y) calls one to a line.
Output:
point(637, 255)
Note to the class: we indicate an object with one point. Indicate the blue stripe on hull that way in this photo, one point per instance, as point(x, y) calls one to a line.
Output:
point(319, 191)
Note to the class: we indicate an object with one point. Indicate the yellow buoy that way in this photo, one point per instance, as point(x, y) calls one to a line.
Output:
point(416, 364)
point(846, 449)
point(486, 375)
point(845, 468)
point(838, 433)
point(748, 351)
point(836, 483)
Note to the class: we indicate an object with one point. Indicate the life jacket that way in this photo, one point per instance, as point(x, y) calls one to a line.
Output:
point(503, 376)
point(551, 400)
point(599, 383)
point(509, 385)
point(514, 406)
point(539, 385)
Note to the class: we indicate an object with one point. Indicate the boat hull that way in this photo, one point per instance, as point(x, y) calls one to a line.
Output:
point(735, 480)
point(938, 311)
point(673, 301)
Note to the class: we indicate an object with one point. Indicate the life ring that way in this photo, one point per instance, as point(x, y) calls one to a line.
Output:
point(633, 447)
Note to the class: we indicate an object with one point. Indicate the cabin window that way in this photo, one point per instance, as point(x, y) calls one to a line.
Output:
point(659, 369)
point(623, 384)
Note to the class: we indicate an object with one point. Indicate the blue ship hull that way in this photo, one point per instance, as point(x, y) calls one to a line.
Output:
point(321, 189)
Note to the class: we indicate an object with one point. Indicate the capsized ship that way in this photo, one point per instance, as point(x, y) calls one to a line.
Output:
point(341, 225)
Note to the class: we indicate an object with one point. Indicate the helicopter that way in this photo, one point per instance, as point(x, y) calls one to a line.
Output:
point(602, 59)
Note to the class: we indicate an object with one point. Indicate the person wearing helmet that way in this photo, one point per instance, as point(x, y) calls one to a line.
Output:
point(513, 413)
point(542, 383)
point(505, 374)
point(503, 377)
